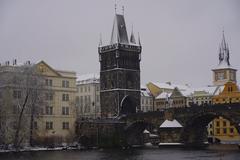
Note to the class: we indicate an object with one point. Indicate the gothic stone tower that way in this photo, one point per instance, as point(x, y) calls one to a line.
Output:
point(224, 72)
point(119, 72)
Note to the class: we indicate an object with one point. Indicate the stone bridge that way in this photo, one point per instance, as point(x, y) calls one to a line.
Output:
point(193, 119)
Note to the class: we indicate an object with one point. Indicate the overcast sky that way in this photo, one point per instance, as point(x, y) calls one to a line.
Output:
point(180, 38)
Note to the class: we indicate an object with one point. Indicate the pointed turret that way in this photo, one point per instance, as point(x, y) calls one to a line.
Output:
point(100, 41)
point(139, 41)
point(224, 72)
point(119, 31)
point(132, 37)
point(224, 53)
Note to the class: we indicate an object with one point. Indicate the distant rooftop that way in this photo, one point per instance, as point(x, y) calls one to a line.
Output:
point(169, 85)
point(171, 124)
point(88, 78)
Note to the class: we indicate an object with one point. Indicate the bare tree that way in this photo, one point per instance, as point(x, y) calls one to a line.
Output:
point(25, 86)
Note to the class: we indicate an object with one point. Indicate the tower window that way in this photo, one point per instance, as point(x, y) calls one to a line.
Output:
point(49, 125)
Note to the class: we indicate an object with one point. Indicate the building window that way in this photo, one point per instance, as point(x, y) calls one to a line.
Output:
point(98, 98)
point(65, 97)
point(65, 110)
point(88, 88)
point(218, 131)
point(211, 133)
point(49, 125)
point(97, 88)
point(49, 110)
point(224, 130)
point(49, 96)
point(230, 89)
point(65, 125)
point(217, 123)
point(81, 101)
point(210, 125)
point(48, 82)
point(231, 130)
point(65, 84)
point(17, 94)
point(224, 123)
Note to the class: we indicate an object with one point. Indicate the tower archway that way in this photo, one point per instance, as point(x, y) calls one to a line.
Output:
point(128, 105)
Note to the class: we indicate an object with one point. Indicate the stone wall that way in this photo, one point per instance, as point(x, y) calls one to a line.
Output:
point(101, 133)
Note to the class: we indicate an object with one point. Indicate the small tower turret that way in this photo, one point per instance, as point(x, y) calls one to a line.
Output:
point(224, 72)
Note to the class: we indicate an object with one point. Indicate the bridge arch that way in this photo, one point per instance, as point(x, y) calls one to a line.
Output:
point(133, 132)
point(194, 131)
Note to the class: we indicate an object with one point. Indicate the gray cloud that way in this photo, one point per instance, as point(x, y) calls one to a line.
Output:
point(180, 38)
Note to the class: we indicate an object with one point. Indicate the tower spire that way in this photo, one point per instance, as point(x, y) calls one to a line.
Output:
point(100, 40)
point(139, 42)
point(115, 7)
point(119, 31)
point(224, 52)
point(123, 10)
point(132, 37)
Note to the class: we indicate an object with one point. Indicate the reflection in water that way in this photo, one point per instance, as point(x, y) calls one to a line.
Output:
point(133, 154)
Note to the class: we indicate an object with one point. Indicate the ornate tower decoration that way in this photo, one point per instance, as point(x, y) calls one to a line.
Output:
point(224, 72)
point(120, 72)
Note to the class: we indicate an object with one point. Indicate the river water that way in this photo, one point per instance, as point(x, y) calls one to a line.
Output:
point(131, 154)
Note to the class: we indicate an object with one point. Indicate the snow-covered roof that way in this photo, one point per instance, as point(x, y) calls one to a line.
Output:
point(170, 124)
point(146, 131)
point(119, 31)
point(223, 65)
point(163, 95)
point(153, 135)
point(207, 90)
point(88, 78)
point(169, 85)
point(145, 91)
point(187, 92)
point(219, 90)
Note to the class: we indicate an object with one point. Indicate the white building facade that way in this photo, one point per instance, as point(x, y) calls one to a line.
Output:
point(146, 100)
point(88, 96)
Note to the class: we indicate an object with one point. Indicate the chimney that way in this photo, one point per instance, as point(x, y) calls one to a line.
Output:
point(7, 63)
point(15, 62)
point(169, 83)
point(28, 63)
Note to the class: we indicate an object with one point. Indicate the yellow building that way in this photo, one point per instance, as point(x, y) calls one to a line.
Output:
point(167, 95)
point(156, 87)
point(175, 99)
point(57, 120)
point(54, 120)
point(230, 94)
point(221, 128)
point(224, 74)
